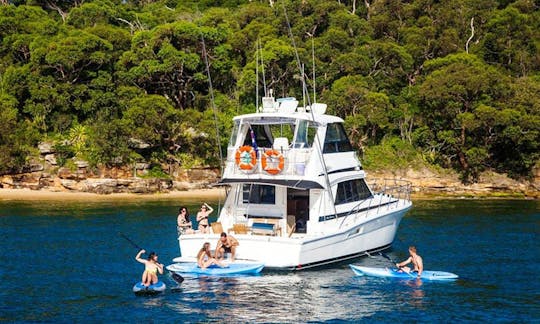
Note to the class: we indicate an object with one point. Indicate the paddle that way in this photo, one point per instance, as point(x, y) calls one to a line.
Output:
point(394, 263)
point(130, 241)
point(178, 278)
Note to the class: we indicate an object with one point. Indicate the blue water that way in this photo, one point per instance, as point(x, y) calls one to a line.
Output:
point(65, 262)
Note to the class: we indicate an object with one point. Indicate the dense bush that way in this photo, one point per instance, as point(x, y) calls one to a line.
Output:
point(455, 83)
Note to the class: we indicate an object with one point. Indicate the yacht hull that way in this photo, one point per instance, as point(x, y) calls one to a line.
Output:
point(301, 252)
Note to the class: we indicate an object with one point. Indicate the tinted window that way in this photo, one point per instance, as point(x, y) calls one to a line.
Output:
point(336, 139)
point(259, 194)
point(353, 190)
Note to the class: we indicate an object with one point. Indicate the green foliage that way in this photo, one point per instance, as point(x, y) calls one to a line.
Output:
point(391, 154)
point(64, 152)
point(156, 172)
point(119, 82)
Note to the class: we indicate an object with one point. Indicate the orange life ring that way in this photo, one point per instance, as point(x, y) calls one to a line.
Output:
point(246, 158)
point(272, 162)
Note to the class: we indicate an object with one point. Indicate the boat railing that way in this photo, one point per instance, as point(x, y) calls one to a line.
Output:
point(397, 188)
point(273, 162)
point(387, 193)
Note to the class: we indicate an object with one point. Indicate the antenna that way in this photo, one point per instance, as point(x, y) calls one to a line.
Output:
point(313, 60)
point(319, 149)
point(262, 68)
point(257, 76)
point(211, 90)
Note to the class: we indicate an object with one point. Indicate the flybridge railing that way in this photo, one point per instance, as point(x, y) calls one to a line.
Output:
point(269, 162)
point(387, 193)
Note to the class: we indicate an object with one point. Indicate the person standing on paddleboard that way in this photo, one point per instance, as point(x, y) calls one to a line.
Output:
point(415, 259)
point(151, 268)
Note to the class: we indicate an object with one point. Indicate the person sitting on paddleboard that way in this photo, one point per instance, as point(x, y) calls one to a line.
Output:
point(226, 244)
point(205, 259)
point(202, 218)
point(415, 259)
point(151, 268)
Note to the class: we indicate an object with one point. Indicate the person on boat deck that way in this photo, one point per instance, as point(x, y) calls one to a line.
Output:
point(183, 222)
point(205, 259)
point(151, 268)
point(202, 218)
point(415, 259)
point(226, 244)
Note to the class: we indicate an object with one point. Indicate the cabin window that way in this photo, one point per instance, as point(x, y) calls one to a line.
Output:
point(305, 134)
point(336, 139)
point(351, 191)
point(259, 194)
point(262, 136)
point(234, 133)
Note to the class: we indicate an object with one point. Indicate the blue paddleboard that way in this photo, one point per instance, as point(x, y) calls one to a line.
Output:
point(394, 273)
point(214, 270)
point(142, 290)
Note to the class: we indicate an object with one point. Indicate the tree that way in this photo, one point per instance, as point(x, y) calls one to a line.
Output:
point(450, 93)
point(513, 41)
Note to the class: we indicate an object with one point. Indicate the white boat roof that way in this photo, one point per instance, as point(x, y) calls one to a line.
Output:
point(272, 116)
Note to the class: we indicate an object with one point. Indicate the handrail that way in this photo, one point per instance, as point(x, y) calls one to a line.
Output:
point(401, 193)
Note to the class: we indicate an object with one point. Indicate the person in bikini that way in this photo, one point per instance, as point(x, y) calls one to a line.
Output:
point(205, 259)
point(415, 259)
point(226, 244)
point(183, 222)
point(151, 268)
point(202, 218)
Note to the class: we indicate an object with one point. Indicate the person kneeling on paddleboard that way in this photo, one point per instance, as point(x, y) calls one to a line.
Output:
point(151, 268)
point(415, 259)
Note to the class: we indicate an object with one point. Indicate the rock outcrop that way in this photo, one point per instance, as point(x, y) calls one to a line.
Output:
point(45, 174)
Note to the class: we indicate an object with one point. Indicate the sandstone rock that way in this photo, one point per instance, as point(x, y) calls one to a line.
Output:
point(142, 166)
point(65, 173)
point(7, 182)
point(46, 148)
point(138, 144)
point(33, 167)
point(51, 159)
point(81, 164)
point(71, 184)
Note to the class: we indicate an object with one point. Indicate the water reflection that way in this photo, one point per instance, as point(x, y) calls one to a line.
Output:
point(294, 297)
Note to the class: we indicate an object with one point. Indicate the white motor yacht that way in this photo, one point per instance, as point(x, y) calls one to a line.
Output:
point(297, 194)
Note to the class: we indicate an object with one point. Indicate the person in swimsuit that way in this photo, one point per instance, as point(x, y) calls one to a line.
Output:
point(226, 244)
point(183, 222)
point(202, 218)
point(205, 259)
point(151, 268)
point(415, 259)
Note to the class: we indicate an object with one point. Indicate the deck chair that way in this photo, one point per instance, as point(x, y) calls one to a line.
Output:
point(239, 229)
point(217, 228)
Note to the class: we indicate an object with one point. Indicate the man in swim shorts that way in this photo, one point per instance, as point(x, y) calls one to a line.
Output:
point(226, 244)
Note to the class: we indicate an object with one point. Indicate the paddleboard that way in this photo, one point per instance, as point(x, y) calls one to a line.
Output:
point(394, 273)
point(214, 270)
point(142, 290)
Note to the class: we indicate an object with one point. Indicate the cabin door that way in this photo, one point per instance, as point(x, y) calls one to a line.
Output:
point(297, 210)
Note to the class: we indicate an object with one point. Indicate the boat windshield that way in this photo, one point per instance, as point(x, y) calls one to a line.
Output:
point(298, 132)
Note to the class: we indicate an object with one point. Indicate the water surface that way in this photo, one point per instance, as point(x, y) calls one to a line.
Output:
point(66, 262)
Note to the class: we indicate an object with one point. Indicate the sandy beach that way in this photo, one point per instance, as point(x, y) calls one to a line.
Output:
point(33, 195)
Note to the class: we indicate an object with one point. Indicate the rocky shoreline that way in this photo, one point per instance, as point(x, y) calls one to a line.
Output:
point(424, 184)
point(45, 175)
